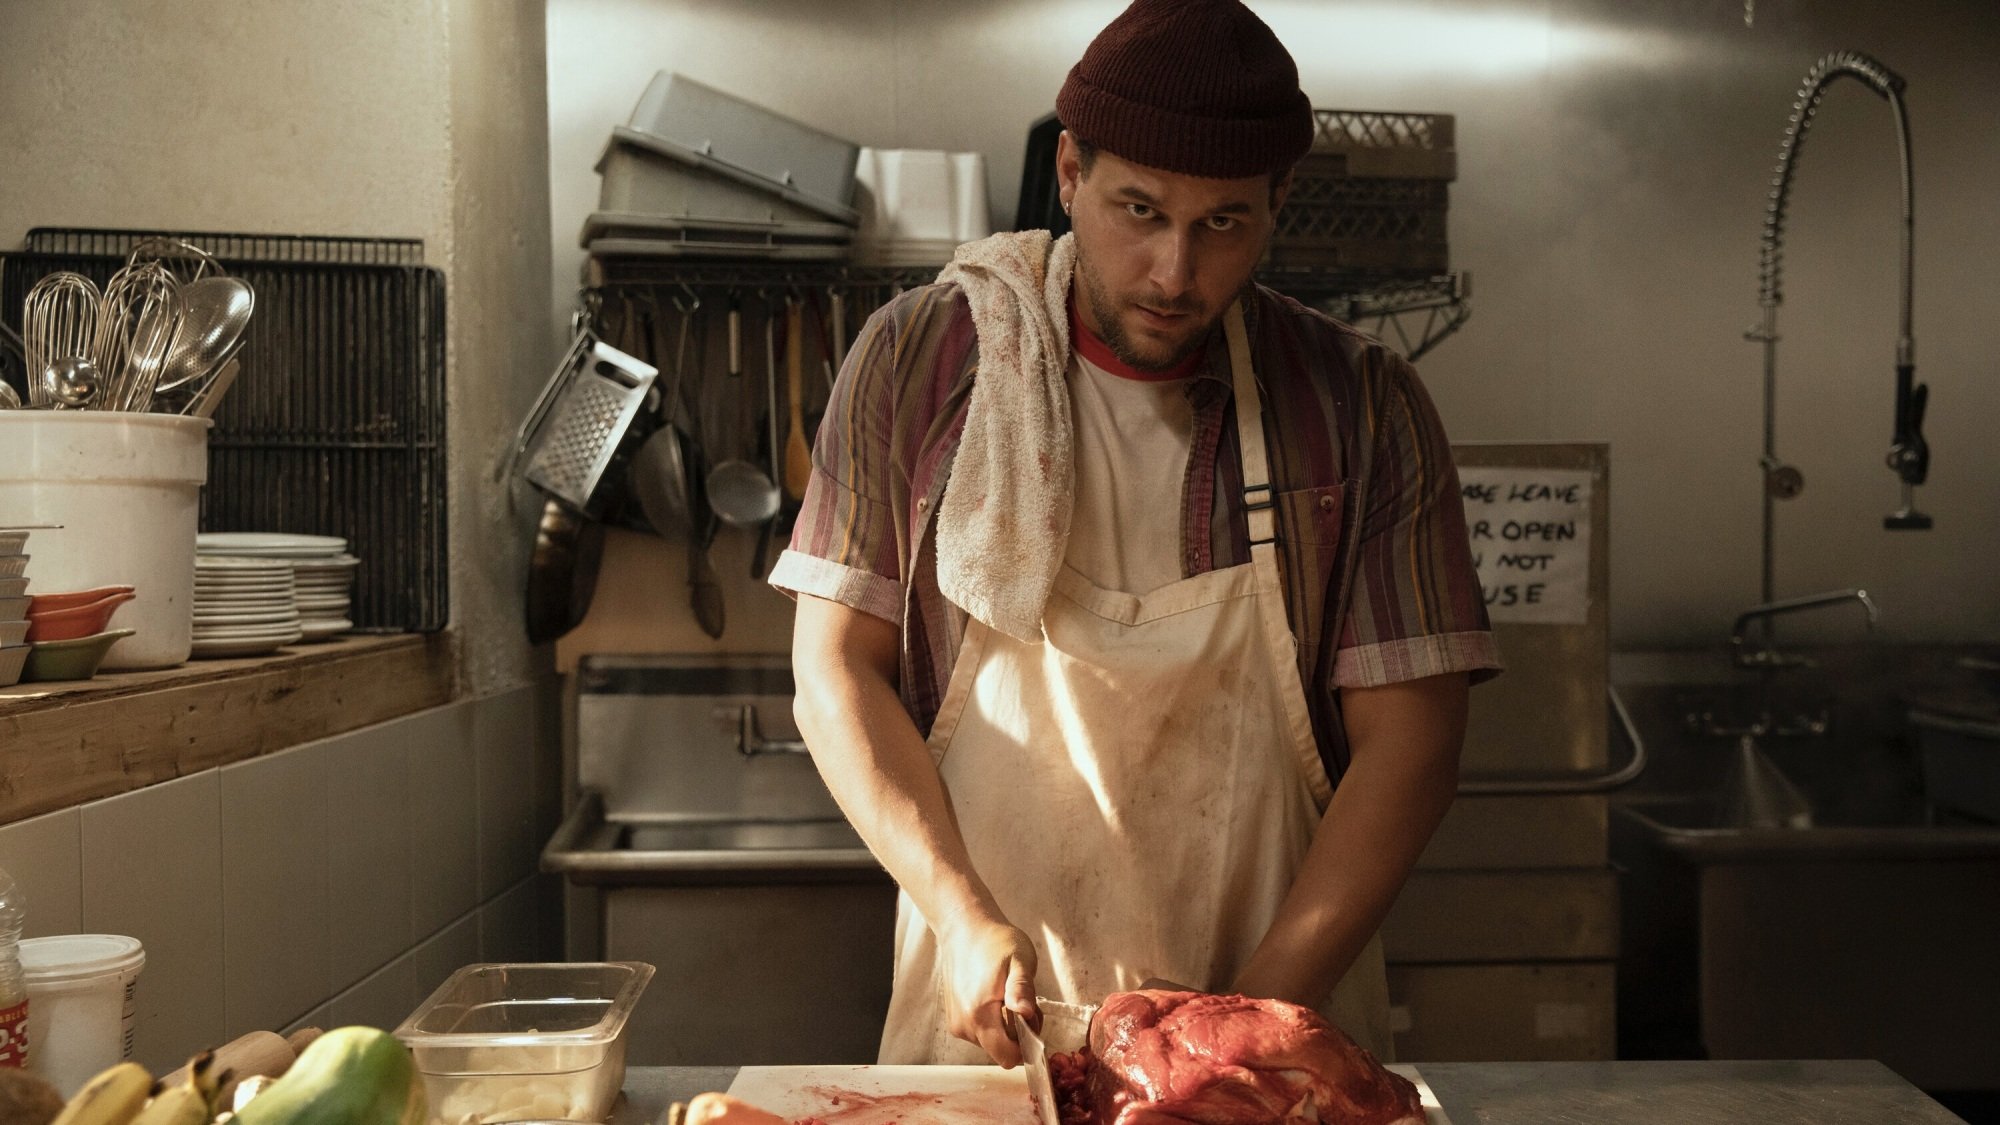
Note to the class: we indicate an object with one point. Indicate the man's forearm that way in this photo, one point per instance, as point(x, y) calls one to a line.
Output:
point(1400, 781)
point(881, 773)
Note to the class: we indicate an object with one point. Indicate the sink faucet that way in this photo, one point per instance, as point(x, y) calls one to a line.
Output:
point(1768, 655)
point(1768, 661)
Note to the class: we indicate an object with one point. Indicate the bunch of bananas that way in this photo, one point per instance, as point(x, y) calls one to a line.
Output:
point(127, 1095)
point(349, 1076)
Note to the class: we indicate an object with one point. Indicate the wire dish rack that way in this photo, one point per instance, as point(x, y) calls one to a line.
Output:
point(337, 424)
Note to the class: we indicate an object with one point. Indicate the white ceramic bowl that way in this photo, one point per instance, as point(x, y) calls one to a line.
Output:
point(13, 566)
point(13, 633)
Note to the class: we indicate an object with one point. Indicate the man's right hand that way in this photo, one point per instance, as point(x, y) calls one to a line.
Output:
point(989, 966)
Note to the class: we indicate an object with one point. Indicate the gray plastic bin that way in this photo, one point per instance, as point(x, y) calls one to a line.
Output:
point(728, 129)
point(647, 174)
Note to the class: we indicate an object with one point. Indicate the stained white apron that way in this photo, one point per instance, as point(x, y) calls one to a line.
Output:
point(1138, 789)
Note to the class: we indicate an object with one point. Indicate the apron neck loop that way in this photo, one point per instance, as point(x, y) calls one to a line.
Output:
point(1257, 496)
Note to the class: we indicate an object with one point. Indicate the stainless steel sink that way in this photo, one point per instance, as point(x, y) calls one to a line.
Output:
point(1849, 940)
point(590, 849)
point(1699, 830)
point(704, 844)
point(815, 835)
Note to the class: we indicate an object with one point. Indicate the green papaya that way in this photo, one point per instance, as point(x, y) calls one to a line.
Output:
point(349, 1076)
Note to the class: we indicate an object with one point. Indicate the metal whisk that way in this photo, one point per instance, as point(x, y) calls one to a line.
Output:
point(136, 320)
point(58, 321)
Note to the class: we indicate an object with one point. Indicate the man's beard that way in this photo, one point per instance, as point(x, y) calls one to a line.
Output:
point(1111, 328)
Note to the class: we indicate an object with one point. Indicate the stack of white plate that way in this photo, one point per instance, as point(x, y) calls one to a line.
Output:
point(323, 573)
point(243, 606)
point(325, 592)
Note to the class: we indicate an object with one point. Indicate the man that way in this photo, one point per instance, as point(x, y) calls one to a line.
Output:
point(1113, 564)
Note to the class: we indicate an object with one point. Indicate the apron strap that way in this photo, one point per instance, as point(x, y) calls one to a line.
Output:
point(1257, 496)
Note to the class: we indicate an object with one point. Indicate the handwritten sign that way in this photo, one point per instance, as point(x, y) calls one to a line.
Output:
point(1530, 533)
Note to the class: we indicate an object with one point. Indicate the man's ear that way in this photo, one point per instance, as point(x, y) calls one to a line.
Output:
point(1069, 168)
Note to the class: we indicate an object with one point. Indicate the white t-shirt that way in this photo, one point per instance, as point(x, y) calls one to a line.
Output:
point(1132, 441)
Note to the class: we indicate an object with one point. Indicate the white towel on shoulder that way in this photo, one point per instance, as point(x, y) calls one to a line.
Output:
point(1004, 520)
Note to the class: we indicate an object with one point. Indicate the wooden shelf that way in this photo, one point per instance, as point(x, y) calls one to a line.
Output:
point(62, 744)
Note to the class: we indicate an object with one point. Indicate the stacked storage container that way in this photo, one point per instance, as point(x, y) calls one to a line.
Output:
point(698, 173)
point(1371, 196)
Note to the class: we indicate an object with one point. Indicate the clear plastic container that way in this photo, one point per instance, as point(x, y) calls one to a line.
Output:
point(13, 988)
point(525, 1042)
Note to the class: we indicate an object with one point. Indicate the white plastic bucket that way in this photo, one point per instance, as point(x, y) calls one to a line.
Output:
point(80, 1004)
point(126, 489)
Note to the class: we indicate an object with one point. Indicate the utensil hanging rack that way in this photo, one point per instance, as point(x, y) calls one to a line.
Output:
point(1413, 313)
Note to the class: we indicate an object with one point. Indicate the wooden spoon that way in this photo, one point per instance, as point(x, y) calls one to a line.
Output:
point(798, 456)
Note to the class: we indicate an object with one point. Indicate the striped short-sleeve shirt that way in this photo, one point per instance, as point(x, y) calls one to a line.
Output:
point(1377, 568)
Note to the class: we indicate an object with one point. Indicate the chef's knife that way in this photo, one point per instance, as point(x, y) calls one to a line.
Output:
point(1035, 1057)
point(1065, 1028)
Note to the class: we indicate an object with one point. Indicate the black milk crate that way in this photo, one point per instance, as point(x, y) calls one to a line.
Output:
point(1372, 196)
point(336, 425)
point(1392, 226)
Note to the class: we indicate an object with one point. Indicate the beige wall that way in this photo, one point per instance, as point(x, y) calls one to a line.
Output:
point(1614, 159)
point(339, 881)
point(412, 118)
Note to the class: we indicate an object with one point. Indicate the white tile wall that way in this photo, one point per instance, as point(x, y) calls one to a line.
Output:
point(547, 767)
point(274, 888)
point(444, 815)
point(44, 854)
point(503, 729)
point(336, 882)
point(510, 926)
point(369, 856)
point(444, 953)
point(381, 999)
point(152, 869)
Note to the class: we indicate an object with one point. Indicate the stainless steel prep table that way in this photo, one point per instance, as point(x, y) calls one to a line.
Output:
point(1563, 1093)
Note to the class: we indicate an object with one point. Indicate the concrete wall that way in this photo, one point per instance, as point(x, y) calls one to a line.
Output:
point(409, 118)
point(336, 882)
point(1614, 160)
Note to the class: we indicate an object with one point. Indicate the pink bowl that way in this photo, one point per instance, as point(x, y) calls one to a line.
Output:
point(43, 603)
point(77, 621)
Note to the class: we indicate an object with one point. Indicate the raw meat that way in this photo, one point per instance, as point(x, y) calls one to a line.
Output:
point(1191, 1058)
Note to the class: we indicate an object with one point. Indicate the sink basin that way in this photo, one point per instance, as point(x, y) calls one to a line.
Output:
point(742, 836)
point(1849, 939)
point(1698, 829)
point(590, 849)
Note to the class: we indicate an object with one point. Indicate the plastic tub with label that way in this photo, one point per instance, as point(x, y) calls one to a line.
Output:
point(81, 989)
point(514, 1042)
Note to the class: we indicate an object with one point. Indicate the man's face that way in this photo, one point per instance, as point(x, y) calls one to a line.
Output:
point(1159, 254)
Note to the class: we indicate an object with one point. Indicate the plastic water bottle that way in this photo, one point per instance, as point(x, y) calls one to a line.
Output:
point(13, 989)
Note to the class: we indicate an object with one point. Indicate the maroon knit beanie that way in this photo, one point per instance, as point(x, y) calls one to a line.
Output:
point(1200, 87)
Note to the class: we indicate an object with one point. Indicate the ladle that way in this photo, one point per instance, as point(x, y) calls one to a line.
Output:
point(740, 493)
point(214, 313)
point(68, 383)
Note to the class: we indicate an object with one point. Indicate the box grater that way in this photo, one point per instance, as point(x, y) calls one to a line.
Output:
point(583, 413)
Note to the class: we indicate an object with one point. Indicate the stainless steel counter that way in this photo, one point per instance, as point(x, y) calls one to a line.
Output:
point(1591, 1093)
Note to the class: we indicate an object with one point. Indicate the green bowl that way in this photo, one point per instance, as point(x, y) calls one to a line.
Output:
point(70, 660)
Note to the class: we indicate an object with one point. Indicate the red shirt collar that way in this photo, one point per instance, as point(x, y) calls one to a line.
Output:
point(1100, 355)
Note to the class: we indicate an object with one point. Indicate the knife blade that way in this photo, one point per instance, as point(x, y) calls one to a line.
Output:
point(1035, 1057)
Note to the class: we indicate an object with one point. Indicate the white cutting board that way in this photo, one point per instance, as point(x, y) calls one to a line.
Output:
point(921, 1095)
